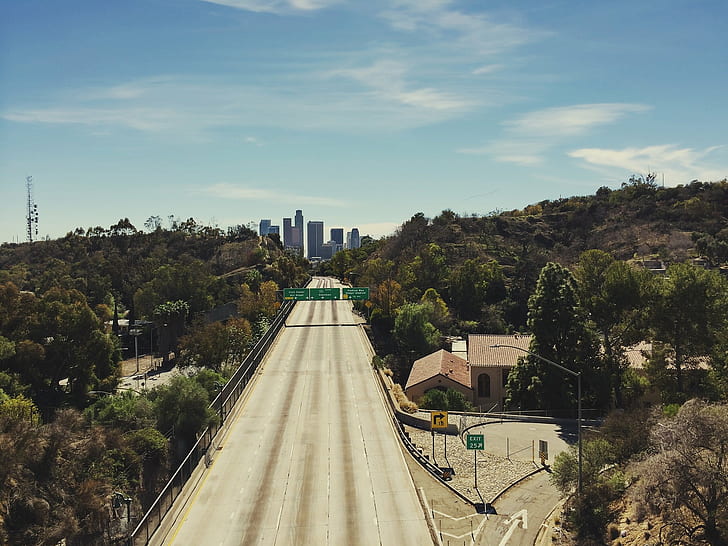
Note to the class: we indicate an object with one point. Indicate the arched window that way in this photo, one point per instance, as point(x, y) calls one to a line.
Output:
point(483, 385)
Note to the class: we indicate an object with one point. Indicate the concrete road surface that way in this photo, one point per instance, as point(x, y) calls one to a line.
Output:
point(311, 457)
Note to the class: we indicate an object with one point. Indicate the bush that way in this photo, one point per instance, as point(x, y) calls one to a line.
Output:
point(405, 404)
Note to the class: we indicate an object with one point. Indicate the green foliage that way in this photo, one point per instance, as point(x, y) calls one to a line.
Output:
point(447, 400)
point(151, 446)
point(614, 295)
point(18, 408)
point(7, 348)
point(125, 411)
point(689, 310)
point(211, 381)
point(592, 511)
point(440, 317)
point(52, 338)
point(413, 330)
point(183, 282)
point(562, 335)
point(182, 409)
point(475, 284)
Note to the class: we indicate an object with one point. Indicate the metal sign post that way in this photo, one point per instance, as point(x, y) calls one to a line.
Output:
point(475, 442)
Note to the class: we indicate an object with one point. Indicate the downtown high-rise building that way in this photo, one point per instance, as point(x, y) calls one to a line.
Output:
point(263, 227)
point(287, 229)
point(314, 238)
point(297, 232)
point(337, 237)
point(352, 238)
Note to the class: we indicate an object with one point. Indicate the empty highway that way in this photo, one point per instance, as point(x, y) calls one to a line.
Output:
point(311, 457)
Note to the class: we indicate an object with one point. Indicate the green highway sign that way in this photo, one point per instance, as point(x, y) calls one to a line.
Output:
point(295, 294)
point(324, 293)
point(475, 441)
point(355, 293)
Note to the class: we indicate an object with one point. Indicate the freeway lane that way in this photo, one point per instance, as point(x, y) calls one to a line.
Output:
point(311, 457)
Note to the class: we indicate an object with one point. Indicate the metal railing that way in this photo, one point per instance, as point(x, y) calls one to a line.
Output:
point(222, 404)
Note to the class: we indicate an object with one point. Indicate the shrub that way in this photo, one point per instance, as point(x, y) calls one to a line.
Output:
point(405, 404)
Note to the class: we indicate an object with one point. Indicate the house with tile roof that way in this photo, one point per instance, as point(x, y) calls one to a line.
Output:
point(440, 370)
point(490, 366)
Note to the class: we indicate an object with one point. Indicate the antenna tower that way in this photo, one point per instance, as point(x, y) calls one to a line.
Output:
point(32, 216)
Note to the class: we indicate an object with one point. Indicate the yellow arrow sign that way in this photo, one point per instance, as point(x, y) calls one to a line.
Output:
point(438, 419)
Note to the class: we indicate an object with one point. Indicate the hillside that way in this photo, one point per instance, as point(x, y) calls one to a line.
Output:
point(640, 220)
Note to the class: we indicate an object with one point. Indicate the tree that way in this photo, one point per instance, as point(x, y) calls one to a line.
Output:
point(67, 341)
point(560, 334)
point(429, 267)
point(413, 330)
point(447, 400)
point(182, 408)
point(440, 314)
point(187, 282)
point(473, 285)
point(599, 488)
point(171, 316)
point(125, 411)
point(215, 345)
point(252, 305)
point(688, 311)
point(613, 293)
point(388, 297)
point(686, 477)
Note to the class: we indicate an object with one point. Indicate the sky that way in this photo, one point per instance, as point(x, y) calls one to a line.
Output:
point(360, 113)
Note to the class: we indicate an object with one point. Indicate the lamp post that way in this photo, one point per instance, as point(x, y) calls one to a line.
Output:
point(151, 349)
point(578, 388)
point(136, 332)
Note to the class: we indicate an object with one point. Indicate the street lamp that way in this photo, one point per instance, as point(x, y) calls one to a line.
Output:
point(136, 332)
point(578, 383)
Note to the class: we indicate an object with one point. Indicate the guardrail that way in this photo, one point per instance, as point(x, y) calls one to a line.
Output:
point(223, 405)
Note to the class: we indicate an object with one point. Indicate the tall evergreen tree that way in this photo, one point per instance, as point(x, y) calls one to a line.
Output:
point(560, 334)
point(613, 294)
point(690, 308)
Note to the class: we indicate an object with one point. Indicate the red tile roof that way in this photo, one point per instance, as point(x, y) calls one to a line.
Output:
point(439, 363)
point(481, 352)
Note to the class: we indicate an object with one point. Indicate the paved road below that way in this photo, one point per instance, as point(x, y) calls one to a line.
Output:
point(311, 457)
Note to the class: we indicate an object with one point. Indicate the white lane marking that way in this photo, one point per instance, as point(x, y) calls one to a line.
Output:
point(519, 517)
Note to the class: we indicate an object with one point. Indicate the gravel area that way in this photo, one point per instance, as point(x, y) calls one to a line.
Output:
point(494, 473)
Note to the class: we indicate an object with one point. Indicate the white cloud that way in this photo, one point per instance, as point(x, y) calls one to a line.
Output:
point(678, 165)
point(189, 107)
point(530, 136)
point(225, 190)
point(389, 80)
point(275, 6)
point(139, 118)
point(571, 120)
point(487, 69)
point(472, 33)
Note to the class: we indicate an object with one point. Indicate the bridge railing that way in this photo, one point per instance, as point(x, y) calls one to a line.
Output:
point(222, 404)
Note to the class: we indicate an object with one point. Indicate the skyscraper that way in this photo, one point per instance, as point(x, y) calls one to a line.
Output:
point(263, 227)
point(337, 236)
point(352, 238)
point(287, 241)
point(315, 238)
point(297, 238)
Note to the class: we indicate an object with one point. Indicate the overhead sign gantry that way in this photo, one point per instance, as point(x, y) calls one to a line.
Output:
point(318, 294)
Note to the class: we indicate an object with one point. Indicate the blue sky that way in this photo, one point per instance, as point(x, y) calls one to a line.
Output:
point(359, 113)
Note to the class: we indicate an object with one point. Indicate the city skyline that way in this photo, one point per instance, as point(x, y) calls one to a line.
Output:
point(317, 245)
